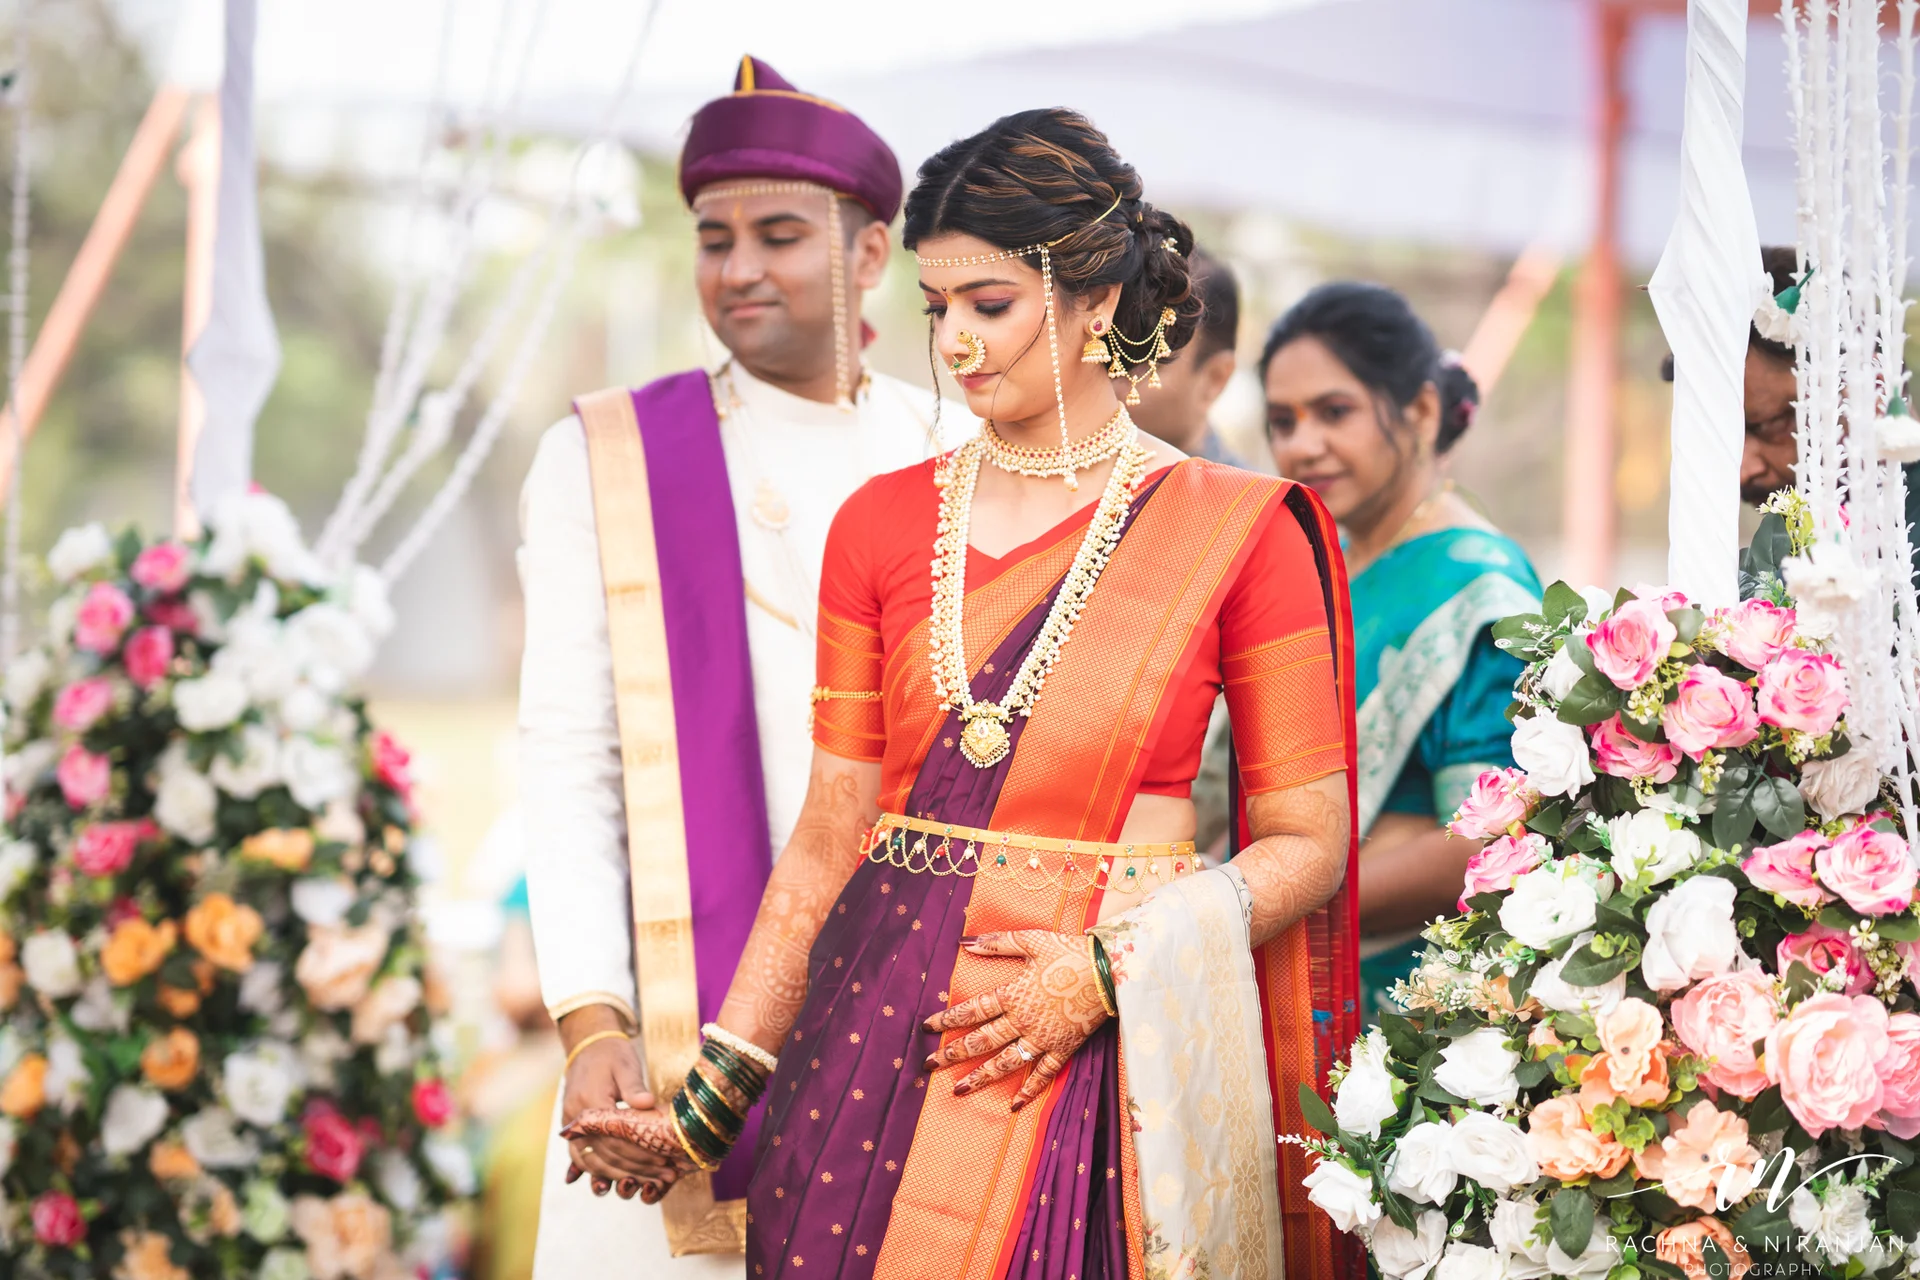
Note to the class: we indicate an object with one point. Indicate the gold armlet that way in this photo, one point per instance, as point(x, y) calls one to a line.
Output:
point(822, 694)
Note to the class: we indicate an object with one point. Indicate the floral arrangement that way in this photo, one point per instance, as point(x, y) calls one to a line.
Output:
point(215, 1050)
point(1675, 1030)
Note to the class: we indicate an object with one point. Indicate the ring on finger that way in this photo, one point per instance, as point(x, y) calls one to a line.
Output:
point(1026, 1054)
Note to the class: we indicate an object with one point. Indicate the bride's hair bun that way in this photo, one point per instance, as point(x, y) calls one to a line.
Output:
point(1048, 175)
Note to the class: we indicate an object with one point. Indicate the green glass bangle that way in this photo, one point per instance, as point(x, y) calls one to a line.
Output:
point(742, 1075)
point(703, 1139)
point(1103, 972)
point(714, 1105)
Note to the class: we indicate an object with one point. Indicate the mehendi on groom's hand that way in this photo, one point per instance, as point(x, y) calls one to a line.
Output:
point(1039, 1019)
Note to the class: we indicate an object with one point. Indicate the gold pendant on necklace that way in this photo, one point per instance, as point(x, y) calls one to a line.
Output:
point(985, 741)
point(770, 510)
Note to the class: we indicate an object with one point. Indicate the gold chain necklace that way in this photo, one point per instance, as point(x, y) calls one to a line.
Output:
point(1044, 464)
point(984, 740)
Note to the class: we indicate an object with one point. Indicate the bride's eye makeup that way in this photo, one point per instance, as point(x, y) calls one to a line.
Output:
point(991, 307)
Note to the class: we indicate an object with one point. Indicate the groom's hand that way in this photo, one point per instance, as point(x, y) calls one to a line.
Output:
point(605, 1074)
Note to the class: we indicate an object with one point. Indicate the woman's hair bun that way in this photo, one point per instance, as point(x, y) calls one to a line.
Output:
point(1459, 400)
point(1048, 176)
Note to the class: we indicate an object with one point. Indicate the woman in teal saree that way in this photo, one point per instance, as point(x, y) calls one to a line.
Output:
point(1362, 406)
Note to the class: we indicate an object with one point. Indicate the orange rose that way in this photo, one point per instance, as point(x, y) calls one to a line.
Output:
point(1685, 1245)
point(224, 931)
point(12, 978)
point(1565, 1147)
point(171, 1162)
point(25, 1091)
point(148, 1257)
point(136, 949)
point(1634, 1064)
point(288, 848)
point(179, 1002)
point(171, 1061)
point(345, 1236)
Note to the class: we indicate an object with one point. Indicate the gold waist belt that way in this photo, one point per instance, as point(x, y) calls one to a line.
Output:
point(1030, 862)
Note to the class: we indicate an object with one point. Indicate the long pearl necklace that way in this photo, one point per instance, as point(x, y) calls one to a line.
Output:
point(984, 740)
point(1080, 455)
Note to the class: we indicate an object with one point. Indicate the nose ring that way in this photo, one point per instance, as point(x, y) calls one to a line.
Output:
point(961, 366)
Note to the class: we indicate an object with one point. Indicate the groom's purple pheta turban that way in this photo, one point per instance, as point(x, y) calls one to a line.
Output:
point(768, 129)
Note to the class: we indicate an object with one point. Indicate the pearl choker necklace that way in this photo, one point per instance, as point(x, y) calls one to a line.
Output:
point(1079, 455)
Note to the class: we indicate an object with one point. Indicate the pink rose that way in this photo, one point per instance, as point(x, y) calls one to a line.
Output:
point(1900, 1078)
point(84, 777)
point(1628, 646)
point(1871, 869)
point(163, 567)
point(107, 848)
point(334, 1146)
point(80, 704)
point(1754, 632)
point(1709, 711)
point(1826, 1059)
point(102, 618)
point(1804, 691)
point(1621, 754)
point(147, 656)
point(1500, 798)
point(1492, 868)
point(391, 764)
point(433, 1105)
point(57, 1222)
point(1820, 949)
point(1666, 597)
point(1721, 1019)
point(175, 615)
point(1786, 869)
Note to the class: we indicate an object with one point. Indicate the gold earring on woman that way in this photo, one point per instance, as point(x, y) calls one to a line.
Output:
point(961, 366)
point(1095, 352)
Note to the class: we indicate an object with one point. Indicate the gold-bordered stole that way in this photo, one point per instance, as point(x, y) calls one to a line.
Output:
point(650, 766)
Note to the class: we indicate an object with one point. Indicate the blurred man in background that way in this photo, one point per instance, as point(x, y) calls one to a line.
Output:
point(1194, 378)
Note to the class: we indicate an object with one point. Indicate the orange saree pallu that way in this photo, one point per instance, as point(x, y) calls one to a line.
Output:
point(868, 1164)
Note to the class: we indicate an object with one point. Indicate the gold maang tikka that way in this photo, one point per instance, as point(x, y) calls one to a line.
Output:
point(1053, 327)
point(1151, 350)
point(843, 380)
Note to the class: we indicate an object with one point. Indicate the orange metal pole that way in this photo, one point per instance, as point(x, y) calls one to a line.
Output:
point(199, 173)
point(87, 277)
point(1506, 318)
point(1589, 512)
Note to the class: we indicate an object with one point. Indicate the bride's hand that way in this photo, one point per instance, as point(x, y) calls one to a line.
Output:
point(1040, 1017)
point(651, 1133)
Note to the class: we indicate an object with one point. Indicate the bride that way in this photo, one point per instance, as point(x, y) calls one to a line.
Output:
point(992, 995)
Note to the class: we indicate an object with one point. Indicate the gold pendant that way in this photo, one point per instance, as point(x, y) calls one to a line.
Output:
point(985, 741)
point(770, 509)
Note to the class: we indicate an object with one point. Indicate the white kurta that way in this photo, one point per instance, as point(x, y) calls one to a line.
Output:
point(783, 453)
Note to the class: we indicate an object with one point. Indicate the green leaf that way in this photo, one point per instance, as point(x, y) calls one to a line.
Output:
point(1582, 654)
point(1763, 1228)
point(1619, 1184)
point(1591, 701)
point(1588, 968)
point(1315, 1111)
point(1718, 1265)
point(1733, 818)
point(1486, 904)
point(1570, 1214)
point(1800, 981)
point(1434, 1093)
point(1405, 1041)
point(1768, 1112)
point(1652, 1266)
point(1904, 927)
point(1530, 1074)
point(1519, 629)
point(1547, 822)
point(1903, 1208)
point(1836, 915)
point(1563, 604)
point(1771, 545)
point(1776, 802)
point(1687, 621)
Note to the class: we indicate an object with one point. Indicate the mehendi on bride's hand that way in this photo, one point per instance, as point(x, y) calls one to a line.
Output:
point(661, 1161)
point(1039, 1018)
point(1300, 856)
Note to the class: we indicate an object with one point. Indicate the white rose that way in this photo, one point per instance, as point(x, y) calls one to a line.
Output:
point(67, 1076)
point(323, 901)
point(78, 550)
point(1343, 1195)
point(1824, 580)
point(27, 677)
point(367, 600)
point(209, 616)
point(1838, 1222)
point(398, 1180)
point(60, 618)
point(396, 1052)
point(9, 1143)
point(381, 1009)
point(1369, 1095)
point(1543, 908)
point(1470, 1262)
point(1491, 1152)
point(317, 774)
point(132, 1118)
point(211, 702)
point(304, 709)
point(263, 988)
point(285, 1264)
point(1647, 843)
point(1690, 934)
point(1561, 996)
point(1409, 1255)
point(1840, 785)
point(335, 649)
point(52, 964)
point(1600, 1257)
point(99, 1008)
point(321, 1050)
point(257, 526)
point(261, 656)
point(1516, 1227)
point(341, 824)
point(1479, 1067)
point(1562, 672)
point(450, 1162)
point(184, 801)
point(1553, 753)
point(210, 1138)
point(17, 861)
point(1421, 1169)
point(257, 768)
point(261, 1082)
point(1599, 603)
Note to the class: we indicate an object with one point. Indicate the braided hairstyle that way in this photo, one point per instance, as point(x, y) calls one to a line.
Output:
point(1046, 175)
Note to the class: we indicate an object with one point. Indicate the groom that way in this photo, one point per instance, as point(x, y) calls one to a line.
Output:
point(672, 542)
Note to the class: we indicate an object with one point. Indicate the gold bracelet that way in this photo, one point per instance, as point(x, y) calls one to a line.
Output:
point(673, 1122)
point(1099, 987)
point(593, 1039)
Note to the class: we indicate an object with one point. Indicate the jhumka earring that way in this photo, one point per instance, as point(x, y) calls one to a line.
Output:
point(1095, 352)
point(1152, 350)
point(961, 366)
